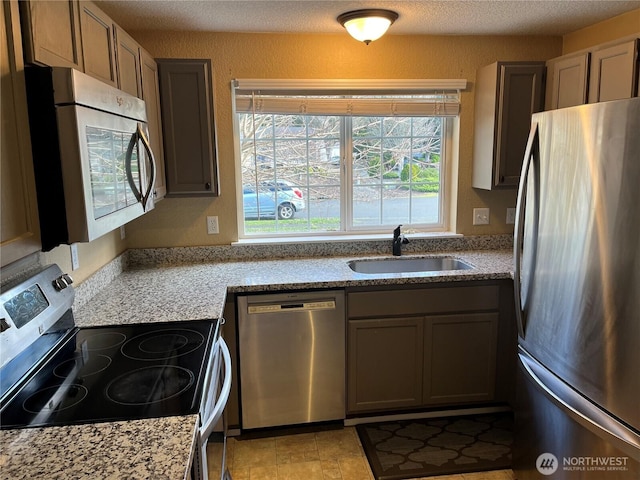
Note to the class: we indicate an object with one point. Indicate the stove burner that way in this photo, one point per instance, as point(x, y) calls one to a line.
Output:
point(55, 399)
point(163, 344)
point(102, 341)
point(78, 366)
point(149, 385)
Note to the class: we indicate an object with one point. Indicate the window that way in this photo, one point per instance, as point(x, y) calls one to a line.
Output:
point(326, 159)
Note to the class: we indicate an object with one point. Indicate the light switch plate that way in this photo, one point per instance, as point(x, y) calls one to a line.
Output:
point(481, 216)
point(511, 216)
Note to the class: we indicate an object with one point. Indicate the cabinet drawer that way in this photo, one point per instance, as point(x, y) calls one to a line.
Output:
point(421, 301)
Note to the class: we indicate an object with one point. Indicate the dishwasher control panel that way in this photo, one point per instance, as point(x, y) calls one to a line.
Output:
point(291, 307)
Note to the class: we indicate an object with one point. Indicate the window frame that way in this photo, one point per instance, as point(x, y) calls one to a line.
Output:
point(450, 144)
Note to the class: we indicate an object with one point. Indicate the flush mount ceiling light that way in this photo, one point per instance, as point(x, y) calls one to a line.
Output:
point(367, 25)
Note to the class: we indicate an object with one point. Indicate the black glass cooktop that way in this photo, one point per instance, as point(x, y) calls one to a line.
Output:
point(117, 373)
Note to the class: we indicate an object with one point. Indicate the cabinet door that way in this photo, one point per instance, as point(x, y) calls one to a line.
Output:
point(151, 97)
point(521, 87)
point(18, 211)
point(98, 44)
point(460, 358)
point(569, 85)
point(384, 364)
point(186, 99)
point(507, 93)
point(51, 31)
point(128, 63)
point(614, 72)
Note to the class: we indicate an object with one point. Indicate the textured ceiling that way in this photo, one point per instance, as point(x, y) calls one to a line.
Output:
point(444, 17)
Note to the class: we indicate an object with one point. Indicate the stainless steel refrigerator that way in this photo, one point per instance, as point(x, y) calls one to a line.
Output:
point(577, 284)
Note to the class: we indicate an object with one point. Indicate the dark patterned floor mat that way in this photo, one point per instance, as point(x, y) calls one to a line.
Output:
point(438, 446)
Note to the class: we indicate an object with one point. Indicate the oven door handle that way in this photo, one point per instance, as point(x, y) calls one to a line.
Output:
point(208, 424)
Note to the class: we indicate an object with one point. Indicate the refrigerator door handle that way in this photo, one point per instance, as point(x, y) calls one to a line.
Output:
point(532, 153)
point(582, 410)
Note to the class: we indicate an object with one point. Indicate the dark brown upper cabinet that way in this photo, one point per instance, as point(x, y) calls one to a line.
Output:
point(507, 93)
point(186, 99)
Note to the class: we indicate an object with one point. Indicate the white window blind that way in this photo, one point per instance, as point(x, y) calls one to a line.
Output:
point(411, 98)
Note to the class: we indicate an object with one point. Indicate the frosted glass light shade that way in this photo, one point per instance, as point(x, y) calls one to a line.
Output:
point(367, 25)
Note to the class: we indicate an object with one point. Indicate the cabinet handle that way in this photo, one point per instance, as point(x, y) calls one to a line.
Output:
point(207, 186)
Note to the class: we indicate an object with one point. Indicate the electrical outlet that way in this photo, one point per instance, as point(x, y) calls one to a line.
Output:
point(212, 225)
point(481, 216)
point(75, 261)
point(511, 216)
point(123, 232)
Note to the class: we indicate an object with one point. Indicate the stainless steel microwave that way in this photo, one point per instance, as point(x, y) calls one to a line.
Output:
point(93, 164)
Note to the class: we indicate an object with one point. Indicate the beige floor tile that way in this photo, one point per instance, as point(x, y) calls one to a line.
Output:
point(296, 449)
point(268, 442)
point(337, 444)
point(263, 473)
point(253, 456)
point(343, 434)
point(331, 470)
point(299, 439)
point(300, 471)
point(240, 473)
point(354, 468)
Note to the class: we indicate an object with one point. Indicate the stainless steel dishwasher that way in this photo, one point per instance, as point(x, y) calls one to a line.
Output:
point(292, 358)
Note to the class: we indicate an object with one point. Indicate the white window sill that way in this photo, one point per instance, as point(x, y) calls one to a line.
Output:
point(342, 238)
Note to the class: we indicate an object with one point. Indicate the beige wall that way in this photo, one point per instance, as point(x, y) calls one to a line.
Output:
point(606, 31)
point(181, 222)
point(92, 256)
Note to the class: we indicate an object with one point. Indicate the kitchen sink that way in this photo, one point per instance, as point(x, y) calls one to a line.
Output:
point(407, 264)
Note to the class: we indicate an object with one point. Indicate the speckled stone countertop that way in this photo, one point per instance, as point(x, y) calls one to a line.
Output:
point(159, 285)
point(197, 291)
point(157, 448)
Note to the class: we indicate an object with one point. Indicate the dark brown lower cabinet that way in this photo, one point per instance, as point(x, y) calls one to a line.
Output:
point(433, 346)
point(385, 352)
point(460, 358)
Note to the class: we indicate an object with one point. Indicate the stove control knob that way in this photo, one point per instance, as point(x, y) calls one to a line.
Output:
point(4, 325)
point(62, 282)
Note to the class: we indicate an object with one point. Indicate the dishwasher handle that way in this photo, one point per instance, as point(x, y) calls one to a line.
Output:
point(303, 306)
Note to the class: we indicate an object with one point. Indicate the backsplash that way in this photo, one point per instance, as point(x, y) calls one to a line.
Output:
point(145, 257)
point(96, 282)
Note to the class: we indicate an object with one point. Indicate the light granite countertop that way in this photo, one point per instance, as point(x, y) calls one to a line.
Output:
point(156, 448)
point(197, 291)
point(157, 290)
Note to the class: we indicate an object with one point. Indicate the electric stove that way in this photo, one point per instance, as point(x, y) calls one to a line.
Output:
point(67, 375)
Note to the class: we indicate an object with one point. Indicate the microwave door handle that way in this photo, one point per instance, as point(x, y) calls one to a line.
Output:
point(152, 167)
point(127, 166)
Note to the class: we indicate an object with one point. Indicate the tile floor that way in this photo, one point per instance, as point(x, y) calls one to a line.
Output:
point(322, 455)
